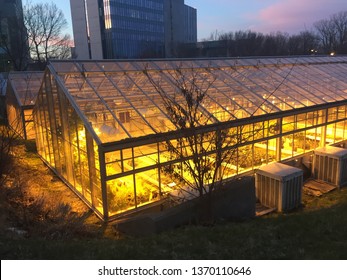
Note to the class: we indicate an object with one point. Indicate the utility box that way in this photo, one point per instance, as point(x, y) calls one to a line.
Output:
point(330, 165)
point(279, 186)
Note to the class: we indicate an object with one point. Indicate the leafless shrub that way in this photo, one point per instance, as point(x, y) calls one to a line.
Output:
point(7, 140)
point(41, 215)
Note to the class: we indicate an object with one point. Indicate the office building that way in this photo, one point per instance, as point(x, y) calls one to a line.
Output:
point(107, 29)
point(13, 45)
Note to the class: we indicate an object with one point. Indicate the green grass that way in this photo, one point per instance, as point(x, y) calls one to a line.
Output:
point(318, 231)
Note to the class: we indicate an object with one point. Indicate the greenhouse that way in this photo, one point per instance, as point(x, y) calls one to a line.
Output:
point(106, 127)
point(22, 90)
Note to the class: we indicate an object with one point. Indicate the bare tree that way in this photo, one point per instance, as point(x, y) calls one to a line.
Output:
point(204, 152)
point(247, 43)
point(275, 44)
point(304, 43)
point(8, 138)
point(228, 42)
point(213, 36)
point(45, 24)
point(327, 34)
point(339, 21)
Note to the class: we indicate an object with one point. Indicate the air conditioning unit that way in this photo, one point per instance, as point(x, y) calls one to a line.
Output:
point(279, 186)
point(330, 165)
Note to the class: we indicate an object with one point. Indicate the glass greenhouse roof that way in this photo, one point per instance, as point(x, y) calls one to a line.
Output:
point(119, 101)
point(26, 86)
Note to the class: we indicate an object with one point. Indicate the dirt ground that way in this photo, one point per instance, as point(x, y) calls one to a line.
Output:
point(41, 181)
point(35, 201)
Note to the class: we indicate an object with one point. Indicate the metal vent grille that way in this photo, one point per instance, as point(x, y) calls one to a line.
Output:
point(283, 195)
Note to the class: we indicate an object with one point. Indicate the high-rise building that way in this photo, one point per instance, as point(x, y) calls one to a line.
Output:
point(13, 44)
point(106, 29)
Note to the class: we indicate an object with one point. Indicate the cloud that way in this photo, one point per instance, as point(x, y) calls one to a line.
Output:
point(293, 16)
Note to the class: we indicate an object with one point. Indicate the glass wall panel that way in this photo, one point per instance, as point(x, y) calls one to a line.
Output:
point(274, 127)
point(167, 183)
point(128, 159)
point(50, 155)
point(287, 147)
point(147, 187)
point(113, 163)
point(320, 136)
point(301, 121)
point(43, 106)
point(321, 117)
point(164, 155)
point(145, 156)
point(339, 131)
point(247, 133)
point(266, 128)
point(29, 124)
point(312, 139)
point(60, 155)
point(272, 150)
point(230, 167)
point(330, 133)
point(258, 129)
point(85, 178)
point(332, 114)
point(120, 194)
point(299, 143)
point(311, 119)
point(341, 113)
point(72, 149)
point(97, 200)
point(260, 153)
point(246, 158)
point(288, 124)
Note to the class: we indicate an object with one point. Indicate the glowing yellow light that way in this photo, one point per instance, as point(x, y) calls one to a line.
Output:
point(97, 131)
point(172, 184)
point(107, 10)
point(81, 134)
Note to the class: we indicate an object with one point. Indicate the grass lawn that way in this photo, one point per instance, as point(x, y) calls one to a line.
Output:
point(306, 234)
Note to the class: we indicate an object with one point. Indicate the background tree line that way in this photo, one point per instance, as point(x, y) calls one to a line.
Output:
point(327, 36)
point(36, 35)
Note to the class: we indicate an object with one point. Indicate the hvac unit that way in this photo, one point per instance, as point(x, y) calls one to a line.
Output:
point(279, 186)
point(330, 165)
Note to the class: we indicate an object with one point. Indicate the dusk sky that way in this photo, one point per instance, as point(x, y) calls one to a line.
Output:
point(264, 16)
